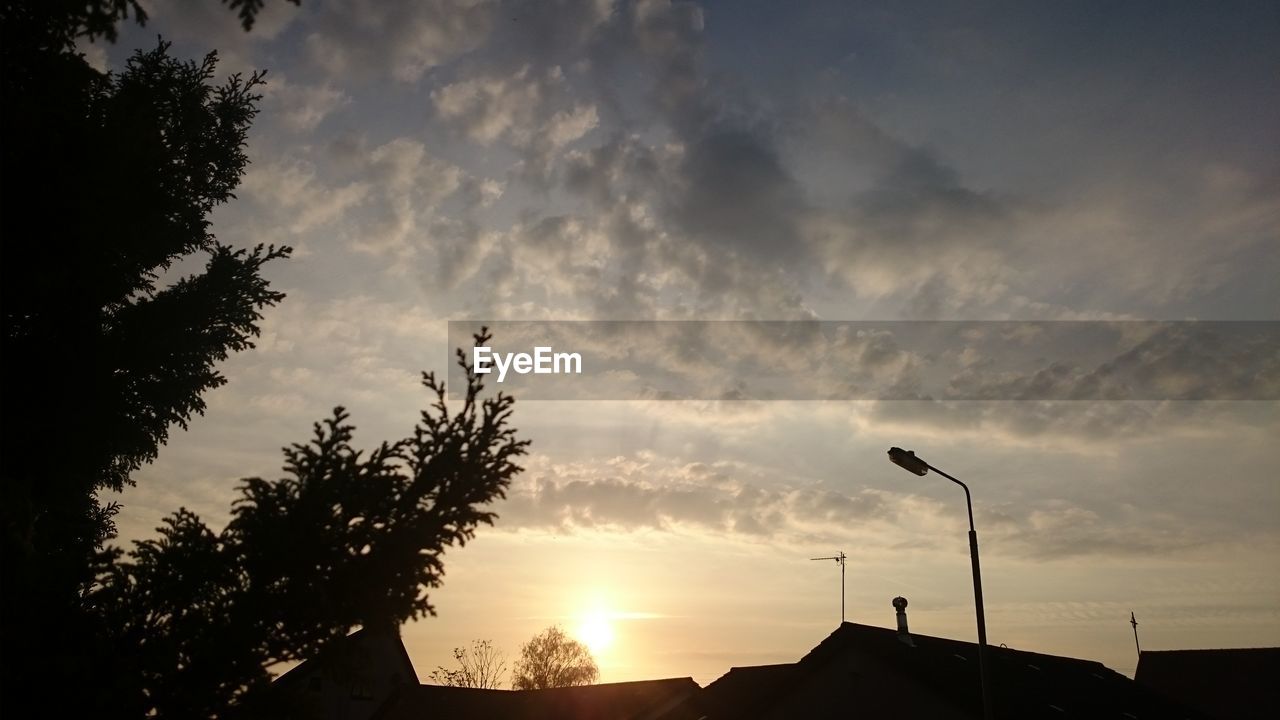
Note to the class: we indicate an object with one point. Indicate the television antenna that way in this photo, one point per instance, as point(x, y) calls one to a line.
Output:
point(840, 560)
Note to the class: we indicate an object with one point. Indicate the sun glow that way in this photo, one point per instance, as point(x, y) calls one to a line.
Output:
point(595, 631)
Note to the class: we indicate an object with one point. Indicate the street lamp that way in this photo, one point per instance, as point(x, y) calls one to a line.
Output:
point(908, 461)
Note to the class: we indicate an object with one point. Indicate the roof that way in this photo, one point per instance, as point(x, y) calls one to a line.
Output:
point(644, 700)
point(1229, 683)
point(744, 689)
point(364, 637)
point(871, 669)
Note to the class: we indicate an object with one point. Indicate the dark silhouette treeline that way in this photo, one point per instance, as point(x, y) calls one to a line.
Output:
point(551, 659)
point(107, 184)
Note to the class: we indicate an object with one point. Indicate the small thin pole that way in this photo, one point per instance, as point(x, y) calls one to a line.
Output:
point(840, 559)
point(842, 587)
point(1134, 622)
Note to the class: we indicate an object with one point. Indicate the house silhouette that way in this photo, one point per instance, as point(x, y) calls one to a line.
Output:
point(856, 671)
point(871, 672)
point(667, 699)
point(1237, 683)
point(351, 680)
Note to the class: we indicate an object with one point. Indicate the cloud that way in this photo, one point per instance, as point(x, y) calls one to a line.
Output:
point(219, 25)
point(642, 493)
point(1056, 530)
point(928, 361)
point(547, 33)
point(703, 218)
point(728, 229)
point(301, 107)
point(380, 200)
point(716, 201)
point(1181, 361)
point(733, 191)
point(400, 39)
point(213, 27)
point(669, 35)
point(519, 109)
point(408, 184)
point(738, 500)
point(297, 199)
point(672, 225)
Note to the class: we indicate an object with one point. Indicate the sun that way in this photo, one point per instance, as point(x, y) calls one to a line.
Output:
point(595, 631)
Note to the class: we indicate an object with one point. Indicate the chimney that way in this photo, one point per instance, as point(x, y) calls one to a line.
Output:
point(900, 605)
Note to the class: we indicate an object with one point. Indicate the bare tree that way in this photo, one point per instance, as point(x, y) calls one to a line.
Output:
point(553, 659)
point(480, 666)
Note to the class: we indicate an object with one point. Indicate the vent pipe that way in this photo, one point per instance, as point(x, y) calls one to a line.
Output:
point(900, 605)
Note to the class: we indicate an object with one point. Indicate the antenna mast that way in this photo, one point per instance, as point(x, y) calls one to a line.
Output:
point(1134, 622)
point(840, 559)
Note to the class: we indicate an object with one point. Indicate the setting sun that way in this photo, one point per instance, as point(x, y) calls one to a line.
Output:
point(596, 632)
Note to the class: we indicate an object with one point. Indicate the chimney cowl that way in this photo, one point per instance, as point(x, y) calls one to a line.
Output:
point(900, 605)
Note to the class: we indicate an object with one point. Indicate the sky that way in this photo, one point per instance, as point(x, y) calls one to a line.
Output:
point(893, 162)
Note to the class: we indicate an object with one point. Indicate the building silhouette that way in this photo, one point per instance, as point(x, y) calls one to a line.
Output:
point(1236, 683)
point(856, 671)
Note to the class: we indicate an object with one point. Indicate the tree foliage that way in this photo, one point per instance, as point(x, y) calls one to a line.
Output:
point(55, 24)
point(344, 539)
point(553, 659)
point(479, 666)
point(117, 301)
point(108, 182)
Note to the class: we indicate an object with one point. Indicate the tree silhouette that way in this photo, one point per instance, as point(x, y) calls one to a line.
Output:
point(344, 539)
point(102, 356)
point(54, 24)
point(553, 659)
point(479, 666)
point(117, 303)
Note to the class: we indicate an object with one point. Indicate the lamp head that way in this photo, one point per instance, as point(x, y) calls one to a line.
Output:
point(908, 460)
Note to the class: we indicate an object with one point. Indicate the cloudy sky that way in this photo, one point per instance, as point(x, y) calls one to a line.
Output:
point(897, 161)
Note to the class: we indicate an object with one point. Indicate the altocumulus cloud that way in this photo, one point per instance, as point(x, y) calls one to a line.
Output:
point(645, 493)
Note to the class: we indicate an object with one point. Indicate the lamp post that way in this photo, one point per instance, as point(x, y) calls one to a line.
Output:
point(908, 460)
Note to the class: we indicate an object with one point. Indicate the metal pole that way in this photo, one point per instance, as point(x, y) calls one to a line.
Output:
point(840, 560)
point(983, 671)
point(988, 712)
point(841, 587)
